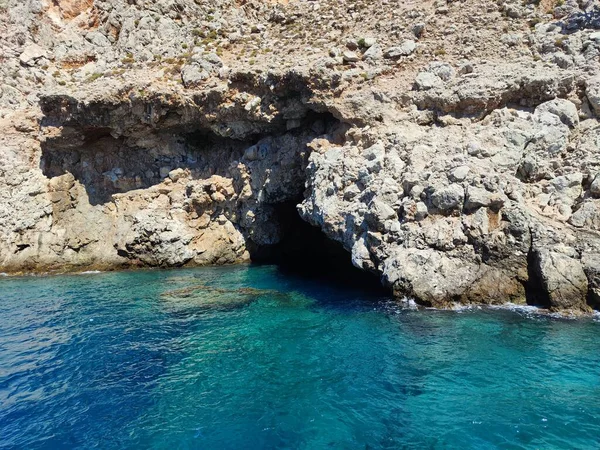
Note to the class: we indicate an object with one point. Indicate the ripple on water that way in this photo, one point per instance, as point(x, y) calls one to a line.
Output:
point(246, 357)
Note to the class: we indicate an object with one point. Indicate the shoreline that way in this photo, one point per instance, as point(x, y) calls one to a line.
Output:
point(402, 303)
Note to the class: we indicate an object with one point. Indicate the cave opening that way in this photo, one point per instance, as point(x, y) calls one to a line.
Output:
point(106, 164)
point(535, 293)
point(306, 252)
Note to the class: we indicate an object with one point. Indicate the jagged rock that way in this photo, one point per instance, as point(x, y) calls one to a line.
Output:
point(427, 80)
point(565, 110)
point(443, 70)
point(592, 92)
point(448, 198)
point(580, 20)
point(369, 42)
point(591, 264)
point(459, 173)
point(379, 212)
point(350, 57)
point(98, 39)
point(31, 54)
point(563, 279)
point(193, 75)
point(177, 174)
point(595, 186)
point(404, 49)
point(374, 52)
point(418, 29)
point(421, 211)
point(477, 198)
point(587, 215)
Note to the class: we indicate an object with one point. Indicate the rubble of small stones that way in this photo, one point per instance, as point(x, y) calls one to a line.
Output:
point(451, 147)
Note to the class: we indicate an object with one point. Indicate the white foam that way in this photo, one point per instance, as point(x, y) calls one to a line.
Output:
point(409, 303)
point(88, 272)
point(459, 307)
point(519, 308)
point(529, 311)
point(532, 311)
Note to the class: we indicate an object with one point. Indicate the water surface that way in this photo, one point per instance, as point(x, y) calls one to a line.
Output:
point(251, 358)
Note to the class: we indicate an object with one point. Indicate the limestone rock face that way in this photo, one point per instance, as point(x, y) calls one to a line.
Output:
point(467, 223)
point(450, 149)
point(563, 278)
point(31, 54)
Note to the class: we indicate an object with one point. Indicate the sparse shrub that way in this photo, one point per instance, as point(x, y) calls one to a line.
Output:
point(533, 22)
point(93, 77)
point(174, 70)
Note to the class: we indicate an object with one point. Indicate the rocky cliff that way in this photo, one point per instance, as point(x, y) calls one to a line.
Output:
point(451, 148)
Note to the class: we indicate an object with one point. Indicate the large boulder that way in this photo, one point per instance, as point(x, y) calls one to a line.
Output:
point(565, 110)
point(592, 93)
point(562, 278)
point(404, 49)
point(193, 74)
point(31, 54)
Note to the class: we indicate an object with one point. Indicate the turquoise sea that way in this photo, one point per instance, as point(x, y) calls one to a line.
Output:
point(255, 358)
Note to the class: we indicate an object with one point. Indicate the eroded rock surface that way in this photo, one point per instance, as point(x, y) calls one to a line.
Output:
point(450, 147)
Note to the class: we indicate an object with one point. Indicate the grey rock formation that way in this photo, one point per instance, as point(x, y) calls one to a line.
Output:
point(462, 169)
point(562, 277)
point(31, 54)
point(404, 49)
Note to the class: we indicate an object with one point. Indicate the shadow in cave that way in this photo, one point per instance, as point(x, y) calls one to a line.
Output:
point(306, 253)
point(535, 294)
point(107, 165)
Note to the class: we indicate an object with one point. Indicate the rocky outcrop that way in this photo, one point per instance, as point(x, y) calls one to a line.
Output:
point(444, 214)
point(163, 180)
point(450, 148)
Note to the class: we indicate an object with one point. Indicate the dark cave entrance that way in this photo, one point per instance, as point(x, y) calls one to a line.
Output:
point(306, 252)
point(106, 164)
point(535, 293)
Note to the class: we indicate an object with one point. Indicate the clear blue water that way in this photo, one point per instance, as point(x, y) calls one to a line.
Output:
point(192, 359)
